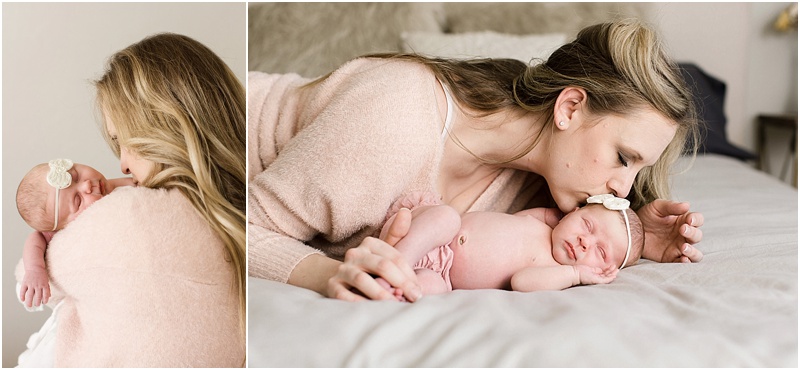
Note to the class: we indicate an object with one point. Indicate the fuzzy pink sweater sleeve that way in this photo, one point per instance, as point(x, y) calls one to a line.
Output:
point(145, 283)
point(334, 156)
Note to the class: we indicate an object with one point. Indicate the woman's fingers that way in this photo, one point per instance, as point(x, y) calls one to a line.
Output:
point(691, 254)
point(696, 219)
point(372, 258)
point(339, 291)
point(663, 208)
point(391, 266)
point(351, 280)
point(364, 280)
point(692, 234)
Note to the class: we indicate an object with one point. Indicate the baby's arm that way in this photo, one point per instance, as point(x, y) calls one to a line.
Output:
point(35, 286)
point(560, 277)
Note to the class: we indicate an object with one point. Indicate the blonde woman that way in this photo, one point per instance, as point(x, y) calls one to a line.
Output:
point(606, 113)
point(153, 276)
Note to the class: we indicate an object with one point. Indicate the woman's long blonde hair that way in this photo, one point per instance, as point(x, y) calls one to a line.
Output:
point(623, 68)
point(176, 103)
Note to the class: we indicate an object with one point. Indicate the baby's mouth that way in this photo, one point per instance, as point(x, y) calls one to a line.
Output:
point(571, 251)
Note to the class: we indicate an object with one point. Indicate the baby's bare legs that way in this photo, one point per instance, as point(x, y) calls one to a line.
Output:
point(431, 227)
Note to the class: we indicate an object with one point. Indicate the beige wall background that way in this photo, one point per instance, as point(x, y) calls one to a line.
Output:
point(51, 53)
point(736, 43)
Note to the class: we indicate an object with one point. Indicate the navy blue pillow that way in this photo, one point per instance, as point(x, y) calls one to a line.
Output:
point(709, 98)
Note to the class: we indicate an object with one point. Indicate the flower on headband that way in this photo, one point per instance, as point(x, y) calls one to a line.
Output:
point(58, 176)
point(610, 202)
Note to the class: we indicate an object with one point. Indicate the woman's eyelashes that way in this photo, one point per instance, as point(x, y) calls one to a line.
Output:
point(622, 159)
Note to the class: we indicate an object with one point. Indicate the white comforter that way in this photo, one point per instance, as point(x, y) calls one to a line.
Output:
point(738, 307)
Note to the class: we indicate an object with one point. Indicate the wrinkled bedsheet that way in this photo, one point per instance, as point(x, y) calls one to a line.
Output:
point(738, 307)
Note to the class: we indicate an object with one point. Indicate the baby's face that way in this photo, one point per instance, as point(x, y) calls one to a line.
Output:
point(88, 185)
point(592, 236)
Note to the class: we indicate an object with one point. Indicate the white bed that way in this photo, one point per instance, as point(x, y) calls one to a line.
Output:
point(738, 307)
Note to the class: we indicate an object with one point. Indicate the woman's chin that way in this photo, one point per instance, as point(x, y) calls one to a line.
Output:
point(566, 205)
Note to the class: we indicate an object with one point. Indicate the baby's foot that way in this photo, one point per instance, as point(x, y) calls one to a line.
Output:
point(398, 293)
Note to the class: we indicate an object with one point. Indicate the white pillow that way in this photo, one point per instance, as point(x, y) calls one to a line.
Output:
point(485, 44)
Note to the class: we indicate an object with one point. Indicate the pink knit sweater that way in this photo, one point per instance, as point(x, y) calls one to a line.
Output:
point(327, 161)
point(143, 282)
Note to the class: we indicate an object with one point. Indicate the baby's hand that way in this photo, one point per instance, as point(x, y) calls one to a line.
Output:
point(397, 292)
point(596, 275)
point(35, 288)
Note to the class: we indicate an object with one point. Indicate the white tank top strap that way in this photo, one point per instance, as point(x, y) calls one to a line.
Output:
point(448, 120)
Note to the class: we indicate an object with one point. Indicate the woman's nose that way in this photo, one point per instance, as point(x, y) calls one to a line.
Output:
point(620, 186)
point(123, 163)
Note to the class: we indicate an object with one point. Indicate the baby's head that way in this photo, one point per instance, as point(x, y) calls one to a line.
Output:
point(75, 186)
point(597, 235)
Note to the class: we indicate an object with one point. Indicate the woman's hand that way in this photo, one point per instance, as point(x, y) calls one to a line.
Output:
point(670, 230)
point(355, 278)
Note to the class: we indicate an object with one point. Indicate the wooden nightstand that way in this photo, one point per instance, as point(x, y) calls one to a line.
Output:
point(786, 123)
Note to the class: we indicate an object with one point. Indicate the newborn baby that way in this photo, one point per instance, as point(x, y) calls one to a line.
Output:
point(49, 197)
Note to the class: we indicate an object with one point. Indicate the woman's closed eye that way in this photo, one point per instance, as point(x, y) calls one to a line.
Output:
point(622, 159)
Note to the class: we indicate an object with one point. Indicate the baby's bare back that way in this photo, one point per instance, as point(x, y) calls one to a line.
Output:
point(491, 247)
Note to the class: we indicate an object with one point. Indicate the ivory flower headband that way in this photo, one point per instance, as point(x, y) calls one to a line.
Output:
point(59, 178)
point(615, 204)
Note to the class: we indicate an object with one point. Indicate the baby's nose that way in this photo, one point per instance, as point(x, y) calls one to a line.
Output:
point(585, 243)
point(86, 186)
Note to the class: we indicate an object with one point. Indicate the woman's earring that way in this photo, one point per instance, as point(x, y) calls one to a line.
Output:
point(561, 123)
